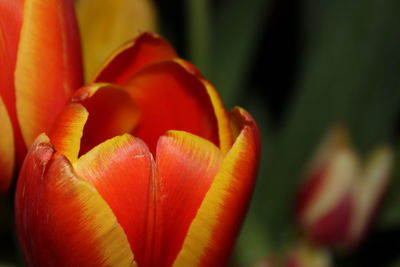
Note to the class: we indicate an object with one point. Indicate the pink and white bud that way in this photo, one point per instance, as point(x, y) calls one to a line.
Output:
point(340, 194)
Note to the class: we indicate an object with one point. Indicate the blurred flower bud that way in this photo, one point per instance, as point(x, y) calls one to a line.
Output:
point(340, 194)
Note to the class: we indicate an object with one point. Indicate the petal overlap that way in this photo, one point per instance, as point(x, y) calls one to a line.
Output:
point(61, 219)
point(212, 233)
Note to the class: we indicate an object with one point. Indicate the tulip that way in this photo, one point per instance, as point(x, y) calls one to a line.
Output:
point(41, 66)
point(337, 201)
point(121, 203)
point(144, 166)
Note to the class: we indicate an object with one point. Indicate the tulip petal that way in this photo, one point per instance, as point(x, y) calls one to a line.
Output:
point(61, 219)
point(224, 125)
point(10, 26)
point(171, 98)
point(6, 149)
point(105, 25)
point(121, 169)
point(186, 166)
point(146, 49)
point(95, 113)
point(369, 190)
point(332, 226)
point(330, 206)
point(48, 64)
point(67, 131)
point(112, 112)
point(212, 233)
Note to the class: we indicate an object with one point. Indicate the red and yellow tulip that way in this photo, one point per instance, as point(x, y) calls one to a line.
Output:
point(336, 203)
point(144, 166)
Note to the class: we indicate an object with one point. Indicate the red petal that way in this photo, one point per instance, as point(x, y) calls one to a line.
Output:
point(10, 26)
point(61, 220)
point(223, 121)
point(171, 98)
point(326, 206)
point(48, 64)
point(331, 228)
point(121, 169)
point(95, 113)
point(186, 165)
point(214, 229)
point(147, 205)
point(146, 49)
point(67, 131)
point(112, 112)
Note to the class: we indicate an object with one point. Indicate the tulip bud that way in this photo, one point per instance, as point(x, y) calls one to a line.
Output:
point(152, 171)
point(337, 200)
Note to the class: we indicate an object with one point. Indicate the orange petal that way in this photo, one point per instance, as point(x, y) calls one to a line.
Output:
point(186, 165)
point(62, 220)
point(224, 125)
point(147, 204)
point(95, 113)
point(67, 130)
point(48, 64)
point(6, 149)
point(121, 169)
point(111, 112)
point(171, 98)
point(213, 231)
point(10, 26)
point(146, 49)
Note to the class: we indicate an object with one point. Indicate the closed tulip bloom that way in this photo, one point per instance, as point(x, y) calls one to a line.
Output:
point(142, 167)
point(338, 199)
